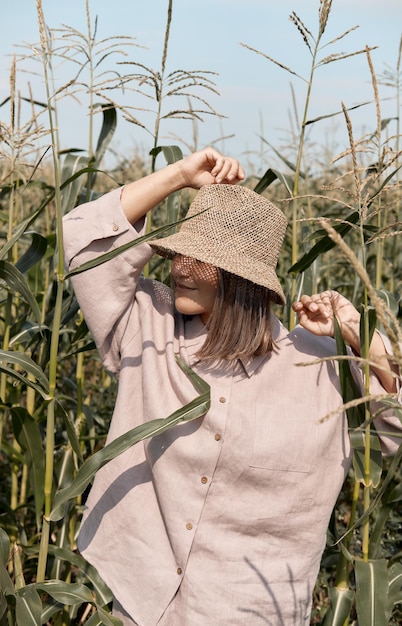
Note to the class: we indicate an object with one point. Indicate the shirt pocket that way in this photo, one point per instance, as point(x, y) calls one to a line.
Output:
point(285, 439)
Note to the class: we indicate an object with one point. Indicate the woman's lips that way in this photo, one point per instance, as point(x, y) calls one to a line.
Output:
point(184, 287)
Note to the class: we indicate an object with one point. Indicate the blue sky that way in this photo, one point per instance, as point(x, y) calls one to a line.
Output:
point(255, 93)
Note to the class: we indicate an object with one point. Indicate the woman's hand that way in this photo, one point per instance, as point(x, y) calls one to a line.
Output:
point(316, 314)
point(208, 167)
point(200, 168)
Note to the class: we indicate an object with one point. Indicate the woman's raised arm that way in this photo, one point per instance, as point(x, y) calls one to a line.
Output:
point(196, 170)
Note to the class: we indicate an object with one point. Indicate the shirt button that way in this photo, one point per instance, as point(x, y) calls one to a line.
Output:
point(189, 526)
point(115, 227)
point(179, 571)
point(217, 437)
point(222, 399)
point(204, 480)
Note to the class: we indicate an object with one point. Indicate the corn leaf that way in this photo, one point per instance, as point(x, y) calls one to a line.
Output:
point(341, 604)
point(103, 593)
point(71, 432)
point(371, 592)
point(372, 322)
point(28, 607)
point(271, 176)
point(349, 387)
point(6, 584)
point(65, 593)
point(23, 379)
point(356, 417)
point(324, 244)
point(394, 587)
point(107, 619)
point(28, 365)
point(171, 153)
point(16, 282)
point(3, 605)
point(28, 435)
point(376, 535)
point(109, 124)
point(358, 442)
point(34, 254)
point(73, 164)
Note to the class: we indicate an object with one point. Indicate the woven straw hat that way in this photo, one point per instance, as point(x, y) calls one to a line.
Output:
point(240, 232)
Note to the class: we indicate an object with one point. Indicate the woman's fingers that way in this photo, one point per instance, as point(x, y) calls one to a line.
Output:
point(227, 169)
point(210, 166)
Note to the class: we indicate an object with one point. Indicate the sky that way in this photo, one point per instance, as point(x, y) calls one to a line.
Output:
point(255, 94)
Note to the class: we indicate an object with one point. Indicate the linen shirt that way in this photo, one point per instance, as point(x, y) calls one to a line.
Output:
point(219, 521)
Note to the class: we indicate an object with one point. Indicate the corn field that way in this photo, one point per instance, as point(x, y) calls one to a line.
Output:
point(345, 225)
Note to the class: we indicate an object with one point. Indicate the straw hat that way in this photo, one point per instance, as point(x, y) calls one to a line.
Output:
point(240, 232)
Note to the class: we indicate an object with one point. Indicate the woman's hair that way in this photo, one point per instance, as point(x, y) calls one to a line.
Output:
point(240, 322)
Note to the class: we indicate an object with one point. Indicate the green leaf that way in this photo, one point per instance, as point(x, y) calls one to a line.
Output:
point(73, 164)
point(107, 618)
point(28, 435)
point(394, 587)
point(377, 529)
point(324, 244)
point(28, 608)
point(23, 226)
point(71, 433)
point(349, 388)
point(94, 620)
point(392, 472)
point(358, 442)
point(34, 254)
point(28, 365)
point(384, 182)
point(6, 584)
point(16, 282)
point(341, 604)
point(4, 548)
point(3, 606)
point(49, 608)
point(356, 417)
point(20, 377)
point(372, 322)
point(270, 176)
point(65, 593)
point(171, 153)
point(371, 592)
point(325, 117)
point(107, 131)
point(102, 591)
point(193, 410)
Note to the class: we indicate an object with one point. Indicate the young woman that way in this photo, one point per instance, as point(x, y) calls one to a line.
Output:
point(222, 520)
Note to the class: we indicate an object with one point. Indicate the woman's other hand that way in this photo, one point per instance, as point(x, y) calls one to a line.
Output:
point(316, 314)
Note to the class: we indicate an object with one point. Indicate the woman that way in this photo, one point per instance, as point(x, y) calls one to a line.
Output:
point(219, 521)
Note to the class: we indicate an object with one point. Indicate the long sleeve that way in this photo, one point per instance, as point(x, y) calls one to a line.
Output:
point(105, 293)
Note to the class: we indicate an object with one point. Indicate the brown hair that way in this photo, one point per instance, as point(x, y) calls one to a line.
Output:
point(240, 322)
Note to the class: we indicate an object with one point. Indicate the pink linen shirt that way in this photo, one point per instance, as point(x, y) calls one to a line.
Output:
point(223, 520)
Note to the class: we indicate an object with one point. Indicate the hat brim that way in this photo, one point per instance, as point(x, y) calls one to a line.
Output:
point(247, 267)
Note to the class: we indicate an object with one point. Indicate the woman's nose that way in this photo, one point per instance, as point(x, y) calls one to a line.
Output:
point(182, 264)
